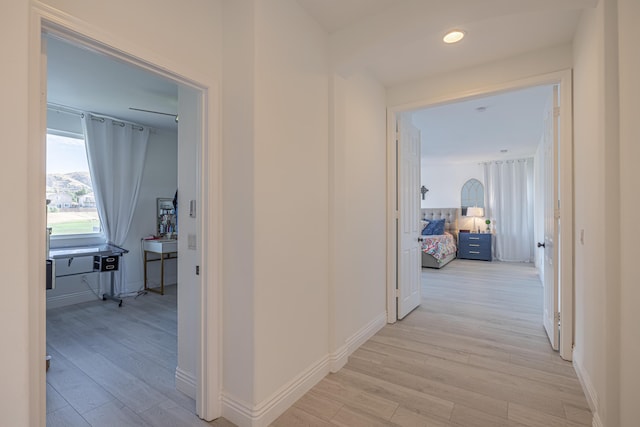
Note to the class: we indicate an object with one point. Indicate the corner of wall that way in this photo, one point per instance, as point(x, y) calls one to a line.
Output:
point(263, 414)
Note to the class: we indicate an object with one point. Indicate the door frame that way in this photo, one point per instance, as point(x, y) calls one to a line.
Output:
point(562, 78)
point(208, 354)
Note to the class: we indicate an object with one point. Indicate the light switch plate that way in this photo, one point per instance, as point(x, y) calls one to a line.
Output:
point(191, 241)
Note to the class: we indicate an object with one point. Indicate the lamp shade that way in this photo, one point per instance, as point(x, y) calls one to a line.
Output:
point(475, 212)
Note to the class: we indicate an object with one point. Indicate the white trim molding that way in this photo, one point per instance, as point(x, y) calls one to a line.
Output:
point(589, 392)
point(565, 79)
point(245, 415)
point(70, 298)
point(338, 358)
point(186, 383)
point(263, 414)
point(206, 387)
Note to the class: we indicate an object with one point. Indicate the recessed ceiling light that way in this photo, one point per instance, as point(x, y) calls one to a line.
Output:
point(453, 36)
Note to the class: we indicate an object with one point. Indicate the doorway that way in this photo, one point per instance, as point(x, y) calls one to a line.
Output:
point(563, 79)
point(198, 339)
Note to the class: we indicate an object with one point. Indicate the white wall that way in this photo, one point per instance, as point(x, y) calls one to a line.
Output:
point(592, 283)
point(238, 202)
point(629, 33)
point(275, 101)
point(358, 206)
point(467, 81)
point(189, 230)
point(445, 181)
point(160, 179)
point(291, 193)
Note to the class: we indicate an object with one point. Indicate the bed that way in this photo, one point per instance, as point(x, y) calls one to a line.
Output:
point(440, 249)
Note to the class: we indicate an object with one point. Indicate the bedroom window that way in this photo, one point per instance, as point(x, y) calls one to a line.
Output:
point(71, 205)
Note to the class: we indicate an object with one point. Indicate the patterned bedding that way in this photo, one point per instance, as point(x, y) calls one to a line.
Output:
point(439, 246)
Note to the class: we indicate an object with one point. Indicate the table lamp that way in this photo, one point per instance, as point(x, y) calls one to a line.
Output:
point(475, 212)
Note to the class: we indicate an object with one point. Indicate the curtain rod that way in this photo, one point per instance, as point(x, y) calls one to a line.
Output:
point(94, 116)
point(506, 161)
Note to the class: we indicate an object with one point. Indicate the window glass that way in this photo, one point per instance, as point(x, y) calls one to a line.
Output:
point(71, 207)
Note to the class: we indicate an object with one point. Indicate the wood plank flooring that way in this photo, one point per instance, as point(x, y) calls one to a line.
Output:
point(474, 354)
point(115, 366)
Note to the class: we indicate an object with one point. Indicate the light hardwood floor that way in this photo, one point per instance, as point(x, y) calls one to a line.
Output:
point(115, 366)
point(474, 354)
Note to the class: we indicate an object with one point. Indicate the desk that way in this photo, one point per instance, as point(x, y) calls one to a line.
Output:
point(89, 259)
point(165, 249)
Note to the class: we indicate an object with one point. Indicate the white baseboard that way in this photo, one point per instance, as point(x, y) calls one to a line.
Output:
point(70, 298)
point(589, 392)
point(596, 421)
point(339, 357)
point(186, 383)
point(261, 415)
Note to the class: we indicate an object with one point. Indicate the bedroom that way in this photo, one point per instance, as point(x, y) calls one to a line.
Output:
point(520, 199)
point(462, 145)
point(84, 79)
point(80, 80)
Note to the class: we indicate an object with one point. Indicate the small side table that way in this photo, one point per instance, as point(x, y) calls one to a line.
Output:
point(166, 249)
point(474, 246)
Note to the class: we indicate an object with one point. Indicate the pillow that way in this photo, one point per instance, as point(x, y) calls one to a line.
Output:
point(423, 224)
point(434, 228)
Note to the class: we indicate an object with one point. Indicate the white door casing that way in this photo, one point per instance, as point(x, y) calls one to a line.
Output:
point(565, 170)
point(408, 203)
point(551, 317)
point(46, 19)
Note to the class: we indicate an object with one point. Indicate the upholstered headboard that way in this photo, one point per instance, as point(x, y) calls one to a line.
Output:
point(450, 216)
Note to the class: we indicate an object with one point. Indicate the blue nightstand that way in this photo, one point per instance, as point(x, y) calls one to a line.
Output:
point(474, 246)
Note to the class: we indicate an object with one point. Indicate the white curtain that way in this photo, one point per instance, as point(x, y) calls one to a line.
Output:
point(509, 206)
point(116, 153)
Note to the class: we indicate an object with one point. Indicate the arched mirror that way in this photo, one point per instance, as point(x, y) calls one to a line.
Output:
point(472, 195)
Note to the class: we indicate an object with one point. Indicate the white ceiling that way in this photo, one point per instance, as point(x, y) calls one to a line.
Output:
point(477, 130)
point(397, 41)
point(90, 81)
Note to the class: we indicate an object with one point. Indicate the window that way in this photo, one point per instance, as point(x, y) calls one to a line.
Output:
point(71, 206)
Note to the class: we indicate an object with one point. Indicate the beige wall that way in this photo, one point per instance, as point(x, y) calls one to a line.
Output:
point(15, 259)
point(290, 195)
point(589, 353)
point(238, 206)
point(358, 206)
point(629, 33)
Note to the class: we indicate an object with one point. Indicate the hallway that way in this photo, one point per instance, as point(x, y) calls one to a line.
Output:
point(473, 354)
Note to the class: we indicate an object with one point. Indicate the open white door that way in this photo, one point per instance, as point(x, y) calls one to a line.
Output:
point(408, 193)
point(551, 216)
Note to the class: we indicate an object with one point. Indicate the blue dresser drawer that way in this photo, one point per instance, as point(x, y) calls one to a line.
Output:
point(474, 246)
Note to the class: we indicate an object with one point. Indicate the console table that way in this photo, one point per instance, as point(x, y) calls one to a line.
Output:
point(165, 249)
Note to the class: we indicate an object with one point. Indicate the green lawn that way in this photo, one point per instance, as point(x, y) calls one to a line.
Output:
point(75, 227)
